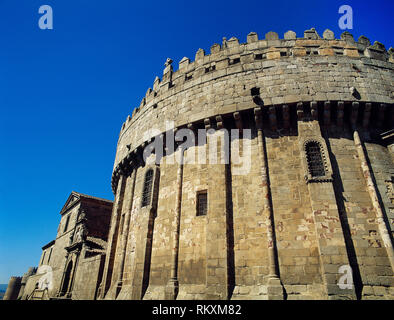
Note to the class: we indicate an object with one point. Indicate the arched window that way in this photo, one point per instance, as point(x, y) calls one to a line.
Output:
point(315, 159)
point(147, 191)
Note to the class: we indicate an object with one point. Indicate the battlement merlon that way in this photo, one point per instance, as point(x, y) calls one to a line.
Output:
point(271, 47)
point(264, 58)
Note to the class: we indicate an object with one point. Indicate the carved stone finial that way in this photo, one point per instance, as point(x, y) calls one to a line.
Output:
point(82, 214)
point(168, 62)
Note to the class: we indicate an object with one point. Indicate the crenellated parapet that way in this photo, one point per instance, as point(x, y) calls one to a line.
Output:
point(232, 52)
point(334, 73)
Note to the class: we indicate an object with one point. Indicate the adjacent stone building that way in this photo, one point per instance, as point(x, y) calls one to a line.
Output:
point(263, 170)
point(71, 266)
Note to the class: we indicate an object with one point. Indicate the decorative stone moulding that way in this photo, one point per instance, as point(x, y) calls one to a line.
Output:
point(309, 178)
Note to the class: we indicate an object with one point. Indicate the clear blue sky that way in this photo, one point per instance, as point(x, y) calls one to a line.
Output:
point(64, 93)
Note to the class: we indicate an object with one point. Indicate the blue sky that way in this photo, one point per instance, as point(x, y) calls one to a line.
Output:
point(64, 93)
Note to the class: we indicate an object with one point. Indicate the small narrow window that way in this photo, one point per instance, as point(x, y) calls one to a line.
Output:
point(49, 257)
point(188, 76)
point(283, 54)
point(66, 225)
point(234, 61)
point(315, 159)
point(43, 257)
point(255, 91)
point(202, 203)
point(147, 191)
point(259, 56)
point(209, 69)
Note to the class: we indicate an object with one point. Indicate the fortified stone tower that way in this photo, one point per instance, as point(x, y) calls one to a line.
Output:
point(304, 197)
point(31, 271)
point(13, 288)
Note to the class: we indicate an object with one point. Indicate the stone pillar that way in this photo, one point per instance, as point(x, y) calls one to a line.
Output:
point(13, 288)
point(75, 266)
point(172, 288)
point(274, 286)
point(219, 276)
point(330, 239)
point(125, 228)
point(373, 193)
point(112, 237)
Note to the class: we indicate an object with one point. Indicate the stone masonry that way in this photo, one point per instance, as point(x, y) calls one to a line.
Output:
point(71, 266)
point(311, 195)
point(278, 230)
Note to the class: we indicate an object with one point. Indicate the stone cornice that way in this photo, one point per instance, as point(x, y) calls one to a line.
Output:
point(134, 157)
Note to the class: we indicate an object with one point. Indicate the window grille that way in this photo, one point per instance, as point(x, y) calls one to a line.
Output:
point(315, 159)
point(202, 203)
point(147, 191)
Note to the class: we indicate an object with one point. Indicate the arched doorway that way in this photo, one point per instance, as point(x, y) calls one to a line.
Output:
point(67, 277)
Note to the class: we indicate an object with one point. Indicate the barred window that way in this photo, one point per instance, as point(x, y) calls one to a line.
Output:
point(315, 159)
point(147, 191)
point(202, 203)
